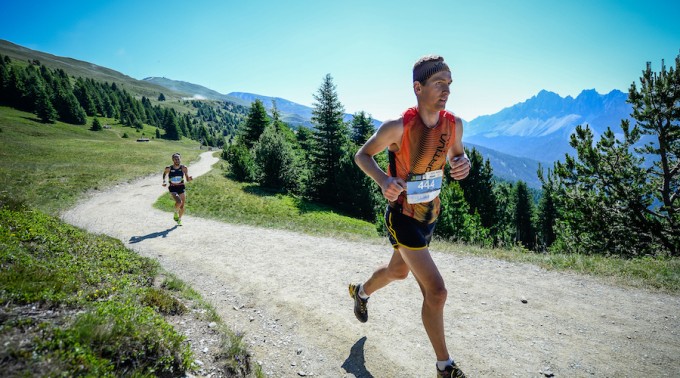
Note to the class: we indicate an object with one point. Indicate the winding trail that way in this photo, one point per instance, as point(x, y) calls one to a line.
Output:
point(287, 292)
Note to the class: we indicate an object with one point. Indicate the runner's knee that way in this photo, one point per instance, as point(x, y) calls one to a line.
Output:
point(398, 273)
point(436, 296)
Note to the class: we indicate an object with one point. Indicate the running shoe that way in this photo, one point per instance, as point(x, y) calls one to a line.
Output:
point(179, 222)
point(451, 371)
point(360, 309)
point(175, 217)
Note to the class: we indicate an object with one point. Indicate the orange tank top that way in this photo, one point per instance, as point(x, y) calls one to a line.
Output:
point(422, 150)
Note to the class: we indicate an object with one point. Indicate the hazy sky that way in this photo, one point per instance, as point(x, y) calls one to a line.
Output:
point(501, 52)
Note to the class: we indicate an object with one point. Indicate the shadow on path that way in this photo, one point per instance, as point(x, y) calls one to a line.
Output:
point(355, 362)
point(162, 234)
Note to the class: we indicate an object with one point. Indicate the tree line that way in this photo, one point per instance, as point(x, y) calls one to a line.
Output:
point(54, 95)
point(616, 196)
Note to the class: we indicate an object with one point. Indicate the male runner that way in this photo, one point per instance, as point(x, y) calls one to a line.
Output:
point(176, 174)
point(419, 145)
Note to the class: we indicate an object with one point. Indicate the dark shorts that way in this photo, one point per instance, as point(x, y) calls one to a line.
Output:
point(405, 231)
point(179, 189)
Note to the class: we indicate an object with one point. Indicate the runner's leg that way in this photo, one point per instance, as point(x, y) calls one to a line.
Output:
point(177, 200)
point(434, 296)
point(182, 201)
point(396, 269)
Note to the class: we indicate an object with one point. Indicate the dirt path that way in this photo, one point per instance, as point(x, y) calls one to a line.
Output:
point(288, 293)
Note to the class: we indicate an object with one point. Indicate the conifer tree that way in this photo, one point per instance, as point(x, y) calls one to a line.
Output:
point(82, 94)
point(362, 128)
point(524, 213)
point(170, 125)
point(96, 125)
point(613, 201)
point(276, 162)
point(547, 212)
point(357, 193)
point(656, 108)
point(43, 107)
point(4, 81)
point(330, 141)
point(255, 124)
point(478, 189)
point(455, 223)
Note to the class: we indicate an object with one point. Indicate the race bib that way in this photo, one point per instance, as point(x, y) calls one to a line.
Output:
point(425, 187)
point(176, 180)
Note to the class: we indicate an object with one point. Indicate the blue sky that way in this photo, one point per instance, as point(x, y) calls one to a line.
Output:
point(501, 52)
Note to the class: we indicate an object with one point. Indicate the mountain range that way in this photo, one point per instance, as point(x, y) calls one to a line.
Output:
point(514, 140)
point(540, 127)
point(292, 113)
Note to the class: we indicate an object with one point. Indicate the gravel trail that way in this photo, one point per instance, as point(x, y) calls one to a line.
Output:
point(287, 292)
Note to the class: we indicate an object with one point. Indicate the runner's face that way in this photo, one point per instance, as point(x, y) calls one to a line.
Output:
point(436, 91)
point(175, 159)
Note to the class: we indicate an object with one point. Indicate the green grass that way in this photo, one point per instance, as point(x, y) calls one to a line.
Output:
point(47, 264)
point(50, 166)
point(217, 197)
point(77, 304)
point(658, 274)
point(100, 288)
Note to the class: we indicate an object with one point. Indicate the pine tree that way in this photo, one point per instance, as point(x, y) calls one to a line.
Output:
point(170, 125)
point(524, 213)
point(478, 189)
point(656, 108)
point(357, 193)
point(455, 222)
point(330, 141)
point(362, 128)
point(96, 125)
point(43, 107)
point(255, 124)
point(547, 212)
point(4, 81)
point(82, 94)
point(613, 201)
point(276, 162)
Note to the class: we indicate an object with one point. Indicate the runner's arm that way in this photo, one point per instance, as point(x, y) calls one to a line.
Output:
point(458, 160)
point(186, 173)
point(389, 134)
point(165, 173)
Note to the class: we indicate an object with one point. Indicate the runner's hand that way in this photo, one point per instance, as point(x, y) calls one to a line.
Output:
point(460, 167)
point(392, 187)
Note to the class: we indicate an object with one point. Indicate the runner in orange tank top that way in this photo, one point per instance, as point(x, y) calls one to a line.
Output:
point(419, 145)
point(422, 149)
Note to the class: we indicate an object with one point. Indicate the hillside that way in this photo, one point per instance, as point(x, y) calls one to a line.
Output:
point(212, 122)
point(510, 168)
point(84, 69)
point(194, 91)
point(231, 106)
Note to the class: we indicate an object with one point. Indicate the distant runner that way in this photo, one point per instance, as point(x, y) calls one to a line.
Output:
point(176, 174)
point(419, 145)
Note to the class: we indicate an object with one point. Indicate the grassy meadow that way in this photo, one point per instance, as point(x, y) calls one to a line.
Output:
point(52, 165)
point(217, 197)
point(91, 281)
point(77, 304)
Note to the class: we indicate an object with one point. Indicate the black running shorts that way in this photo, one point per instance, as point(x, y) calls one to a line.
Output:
point(405, 231)
point(179, 189)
